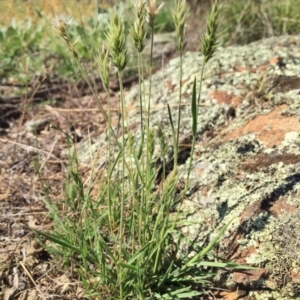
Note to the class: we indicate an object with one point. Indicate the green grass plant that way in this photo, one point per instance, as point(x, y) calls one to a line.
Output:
point(29, 50)
point(126, 243)
point(27, 47)
point(247, 21)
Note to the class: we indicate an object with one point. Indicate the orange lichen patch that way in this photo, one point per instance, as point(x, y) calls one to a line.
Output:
point(295, 275)
point(258, 69)
point(224, 97)
point(264, 160)
point(204, 190)
point(275, 60)
point(249, 276)
point(234, 251)
point(240, 175)
point(240, 255)
point(230, 295)
point(270, 129)
point(169, 85)
point(240, 69)
point(280, 206)
point(235, 101)
point(250, 211)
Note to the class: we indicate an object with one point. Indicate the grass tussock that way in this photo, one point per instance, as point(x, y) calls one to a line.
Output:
point(126, 242)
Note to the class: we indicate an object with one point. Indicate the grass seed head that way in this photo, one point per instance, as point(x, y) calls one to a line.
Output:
point(116, 42)
point(153, 11)
point(209, 42)
point(140, 8)
point(138, 31)
point(60, 22)
point(179, 18)
point(104, 66)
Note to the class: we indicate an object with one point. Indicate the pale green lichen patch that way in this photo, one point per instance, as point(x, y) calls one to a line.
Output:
point(227, 191)
point(232, 188)
point(282, 252)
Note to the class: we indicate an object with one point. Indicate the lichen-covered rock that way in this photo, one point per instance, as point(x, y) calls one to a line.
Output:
point(247, 159)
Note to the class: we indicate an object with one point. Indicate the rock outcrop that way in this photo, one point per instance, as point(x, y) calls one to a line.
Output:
point(247, 160)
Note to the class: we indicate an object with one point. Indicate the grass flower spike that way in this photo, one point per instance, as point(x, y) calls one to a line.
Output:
point(116, 41)
point(179, 18)
point(104, 67)
point(209, 40)
point(60, 23)
point(140, 8)
point(138, 31)
point(153, 11)
point(209, 44)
